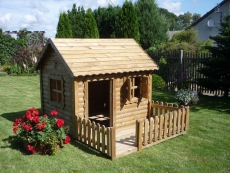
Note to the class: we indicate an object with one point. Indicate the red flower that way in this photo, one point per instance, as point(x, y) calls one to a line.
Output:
point(67, 140)
point(27, 127)
point(39, 126)
point(17, 121)
point(44, 123)
point(59, 122)
point(54, 113)
point(15, 130)
point(45, 115)
point(30, 148)
point(28, 115)
point(35, 119)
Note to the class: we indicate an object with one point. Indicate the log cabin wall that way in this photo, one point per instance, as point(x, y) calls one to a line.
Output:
point(123, 111)
point(52, 65)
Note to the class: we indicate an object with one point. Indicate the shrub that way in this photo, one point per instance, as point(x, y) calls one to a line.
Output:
point(186, 97)
point(158, 83)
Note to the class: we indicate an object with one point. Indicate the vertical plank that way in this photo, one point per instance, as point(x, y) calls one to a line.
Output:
point(89, 132)
point(174, 122)
point(108, 144)
point(165, 125)
point(98, 137)
point(146, 129)
point(84, 130)
point(76, 128)
point(136, 133)
point(160, 126)
point(178, 121)
point(151, 130)
point(113, 143)
point(80, 122)
point(182, 119)
point(103, 138)
point(187, 118)
point(93, 135)
point(170, 123)
point(140, 135)
point(156, 126)
point(86, 98)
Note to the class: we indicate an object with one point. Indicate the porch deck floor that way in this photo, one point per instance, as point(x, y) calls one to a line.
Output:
point(125, 140)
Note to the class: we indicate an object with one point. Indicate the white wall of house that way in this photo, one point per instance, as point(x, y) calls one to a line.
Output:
point(214, 18)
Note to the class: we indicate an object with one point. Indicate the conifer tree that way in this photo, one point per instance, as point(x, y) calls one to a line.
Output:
point(128, 23)
point(153, 26)
point(90, 28)
point(77, 21)
point(64, 29)
point(217, 69)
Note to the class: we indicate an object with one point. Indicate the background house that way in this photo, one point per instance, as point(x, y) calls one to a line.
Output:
point(208, 24)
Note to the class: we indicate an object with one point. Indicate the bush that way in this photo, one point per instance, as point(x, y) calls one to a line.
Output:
point(186, 97)
point(158, 83)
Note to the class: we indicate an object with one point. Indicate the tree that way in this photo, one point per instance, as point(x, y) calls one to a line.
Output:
point(128, 22)
point(90, 28)
point(7, 47)
point(216, 69)
point(187, 41)
point(77, 21)
point(106, 19)
point(153, 26)
point(185, 20)
point(195, 17)
point(172, 20)
point(64, 29)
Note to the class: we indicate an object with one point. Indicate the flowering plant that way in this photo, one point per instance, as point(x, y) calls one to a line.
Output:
point(185, 97)
point(42, 131)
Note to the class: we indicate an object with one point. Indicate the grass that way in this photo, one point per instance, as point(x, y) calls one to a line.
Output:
point(205, 148)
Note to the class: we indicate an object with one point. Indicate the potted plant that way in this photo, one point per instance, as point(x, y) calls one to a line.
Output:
point(186, 97)
point(41, 134)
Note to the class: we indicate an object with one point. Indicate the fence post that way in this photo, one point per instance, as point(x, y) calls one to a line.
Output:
point(180, 69)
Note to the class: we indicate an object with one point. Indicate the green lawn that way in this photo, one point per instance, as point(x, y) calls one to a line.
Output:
point(205, 148)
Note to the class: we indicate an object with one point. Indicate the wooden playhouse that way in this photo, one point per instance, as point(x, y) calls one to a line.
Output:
point(101, 88)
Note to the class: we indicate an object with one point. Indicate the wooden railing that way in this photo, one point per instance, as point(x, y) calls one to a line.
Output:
point(166, 122)
point(95, 136)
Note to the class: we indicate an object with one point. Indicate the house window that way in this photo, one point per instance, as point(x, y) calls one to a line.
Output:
point(56, 91)
point(137, 88)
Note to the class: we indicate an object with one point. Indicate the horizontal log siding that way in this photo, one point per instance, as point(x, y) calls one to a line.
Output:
point(128, 112)
point(52, 65)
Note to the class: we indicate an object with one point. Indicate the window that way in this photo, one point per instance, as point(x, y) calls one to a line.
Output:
point(56, 91)
point(137, 87)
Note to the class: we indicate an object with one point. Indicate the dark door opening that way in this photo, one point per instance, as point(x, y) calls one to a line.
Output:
point(98, 100)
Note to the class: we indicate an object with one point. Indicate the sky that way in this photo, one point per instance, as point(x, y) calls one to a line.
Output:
point(43, 15)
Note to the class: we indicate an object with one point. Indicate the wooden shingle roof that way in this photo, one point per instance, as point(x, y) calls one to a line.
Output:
point(101, 56)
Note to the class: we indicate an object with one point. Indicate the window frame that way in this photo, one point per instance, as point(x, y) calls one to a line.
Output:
point(142, 87)
point(56, 103)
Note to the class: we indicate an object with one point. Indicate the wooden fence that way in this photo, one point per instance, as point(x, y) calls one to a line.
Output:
point(100, 138)
point(179, 70)
point(167, 121)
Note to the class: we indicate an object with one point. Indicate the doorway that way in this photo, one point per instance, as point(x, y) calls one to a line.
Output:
point(99, 102)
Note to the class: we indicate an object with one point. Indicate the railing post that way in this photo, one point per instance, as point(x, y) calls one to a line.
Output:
point(180, 70)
